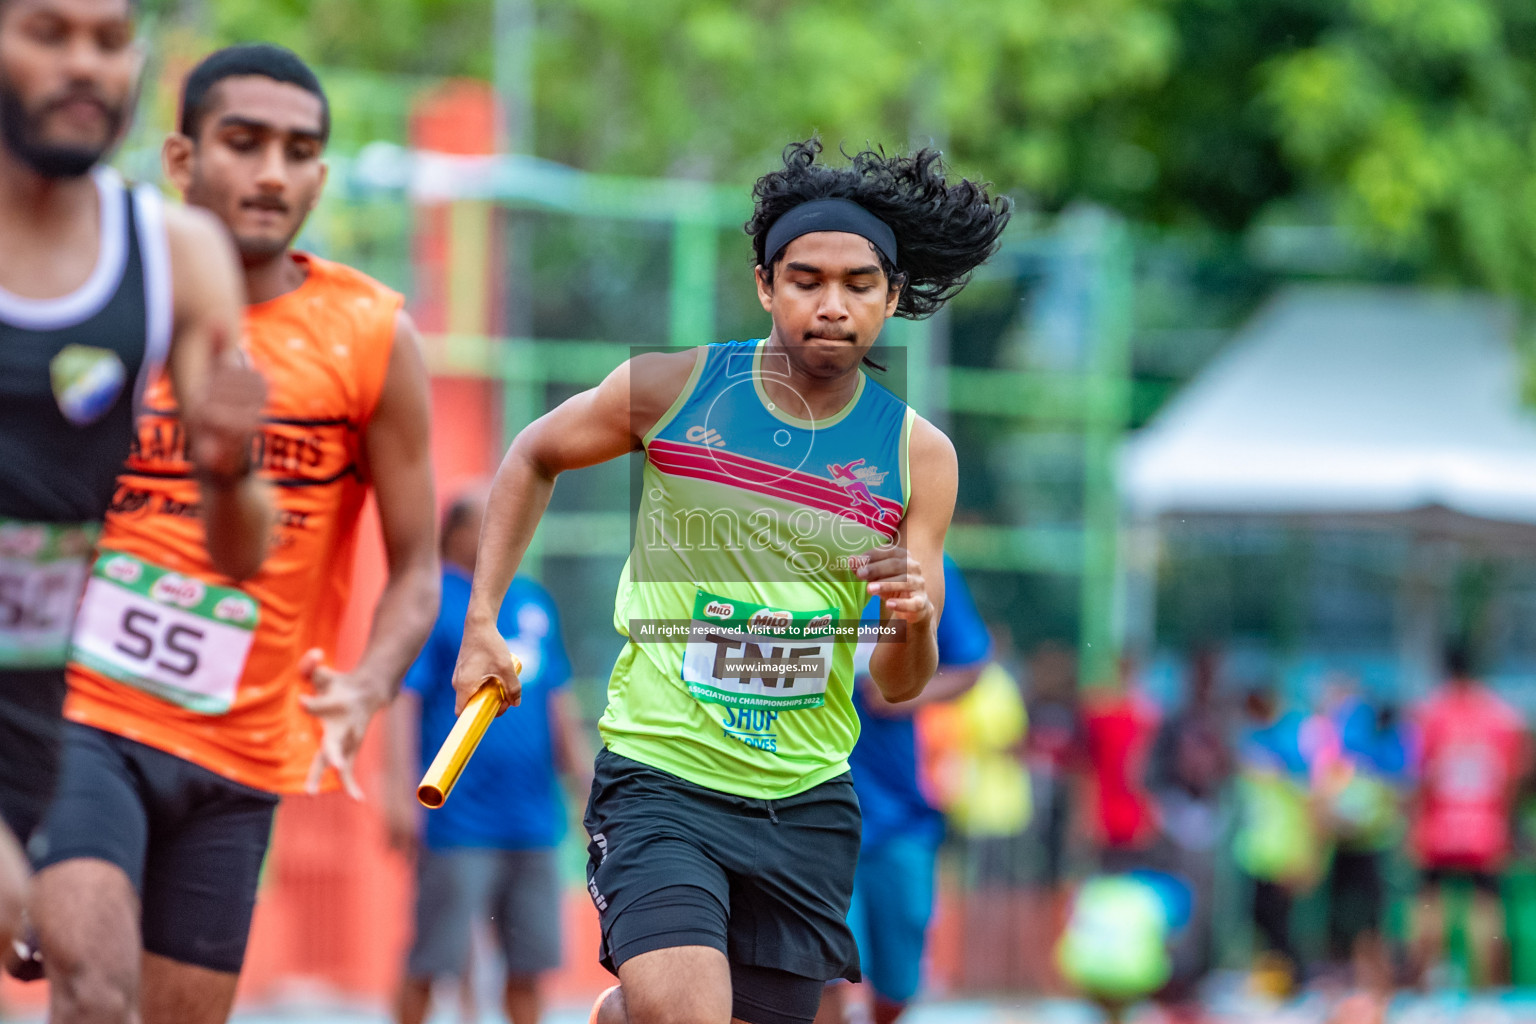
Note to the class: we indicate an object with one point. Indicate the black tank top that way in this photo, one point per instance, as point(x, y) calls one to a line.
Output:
point(72, 369)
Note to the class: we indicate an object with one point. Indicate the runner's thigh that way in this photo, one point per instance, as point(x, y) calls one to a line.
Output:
point(89, 854)
point(789, 901)
point(207, 841)
point(650, 871)
point(98, 811)
point(31, 732)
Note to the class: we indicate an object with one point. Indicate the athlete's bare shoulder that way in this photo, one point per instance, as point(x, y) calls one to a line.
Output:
point(664, 372)
point(934, 469)
point(654, 380)
point(930, 448)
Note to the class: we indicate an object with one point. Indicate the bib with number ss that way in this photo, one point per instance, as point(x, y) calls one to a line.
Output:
point(752, 655)
point(174, 636)
point(43, 567)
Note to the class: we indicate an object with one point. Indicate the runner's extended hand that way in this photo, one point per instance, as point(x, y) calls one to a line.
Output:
point(896, 578)
point(483, 653)
point(227, 414)
point(344, 704)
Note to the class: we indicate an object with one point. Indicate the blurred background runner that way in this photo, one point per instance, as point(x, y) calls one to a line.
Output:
point(1472, 754)
point(893, 886)
point(487, 857)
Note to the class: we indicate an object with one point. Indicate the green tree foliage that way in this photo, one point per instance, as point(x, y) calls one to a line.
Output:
point(716, 87)
point(437, 37)
point(1415, 118)
point(1409, 122)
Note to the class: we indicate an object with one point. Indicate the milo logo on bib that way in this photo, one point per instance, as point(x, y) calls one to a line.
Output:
point(181, 591)
point(172, 635)
point(753, 656)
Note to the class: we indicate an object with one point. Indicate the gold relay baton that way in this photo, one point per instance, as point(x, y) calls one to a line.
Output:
point(461, 742)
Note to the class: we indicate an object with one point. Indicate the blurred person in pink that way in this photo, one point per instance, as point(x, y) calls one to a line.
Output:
point(1359, 779)
point(1120, 724)
point(1472, 754)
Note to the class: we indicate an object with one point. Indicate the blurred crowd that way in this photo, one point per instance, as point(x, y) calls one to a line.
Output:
point(1091, 840)
point(1341, 841)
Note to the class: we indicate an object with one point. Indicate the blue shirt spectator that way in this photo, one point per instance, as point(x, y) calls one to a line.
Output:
point(1280, 745)
point(489, 853)
point(893, 885)
point(1372, 739)
point(884, 761)
point(509, 795)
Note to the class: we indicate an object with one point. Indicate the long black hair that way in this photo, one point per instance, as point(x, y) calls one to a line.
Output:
point(943, 231)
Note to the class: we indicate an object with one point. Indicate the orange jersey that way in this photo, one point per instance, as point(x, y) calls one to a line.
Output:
point(171, 654)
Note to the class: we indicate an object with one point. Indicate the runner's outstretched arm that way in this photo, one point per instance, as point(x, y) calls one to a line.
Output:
point(219, 394)
point(595, 426)
point(948, 682)
point(908, 577)
point(399, 463)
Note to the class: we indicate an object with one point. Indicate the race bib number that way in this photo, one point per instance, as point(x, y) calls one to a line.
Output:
point(174, 636)
point(43, 567)
point(749, 655)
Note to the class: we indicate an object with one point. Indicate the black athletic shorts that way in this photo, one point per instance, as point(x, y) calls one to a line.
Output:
point(190, 841)
point(1484, 881)
point(31, 727)
point(766, 882)
point(1357, 898)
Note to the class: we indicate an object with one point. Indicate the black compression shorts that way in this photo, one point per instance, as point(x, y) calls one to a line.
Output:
point(766, 882)
point(190, 841)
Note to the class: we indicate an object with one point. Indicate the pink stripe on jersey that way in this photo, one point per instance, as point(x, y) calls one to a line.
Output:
point(758, 471)
point(703, 467)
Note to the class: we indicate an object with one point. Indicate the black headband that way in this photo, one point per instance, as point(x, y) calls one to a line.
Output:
point(830, 215)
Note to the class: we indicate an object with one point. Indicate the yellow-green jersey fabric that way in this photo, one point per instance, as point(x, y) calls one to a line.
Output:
point(748, 517)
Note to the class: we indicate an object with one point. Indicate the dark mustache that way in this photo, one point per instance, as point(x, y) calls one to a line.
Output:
point(265, 203)
point(73, 95)
point(831, 335)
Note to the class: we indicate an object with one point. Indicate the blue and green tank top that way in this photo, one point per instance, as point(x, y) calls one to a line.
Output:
point(739, 599)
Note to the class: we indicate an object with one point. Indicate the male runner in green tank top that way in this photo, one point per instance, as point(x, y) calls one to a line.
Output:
point(782, 488)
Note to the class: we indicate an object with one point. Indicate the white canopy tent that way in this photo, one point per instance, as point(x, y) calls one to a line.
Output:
point(1349, 401)
point(1358, 406)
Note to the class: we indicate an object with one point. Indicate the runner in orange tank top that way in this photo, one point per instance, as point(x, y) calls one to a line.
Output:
point(196, 700)
point(324, 347)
